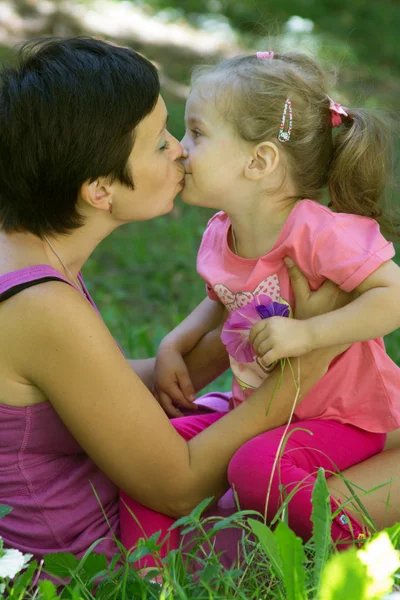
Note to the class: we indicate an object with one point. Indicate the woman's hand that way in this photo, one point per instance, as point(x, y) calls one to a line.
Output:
point(310, 304)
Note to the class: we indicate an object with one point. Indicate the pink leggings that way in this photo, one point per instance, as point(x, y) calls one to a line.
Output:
point(326, 444)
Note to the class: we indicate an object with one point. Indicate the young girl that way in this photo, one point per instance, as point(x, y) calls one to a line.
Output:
point(262, 146)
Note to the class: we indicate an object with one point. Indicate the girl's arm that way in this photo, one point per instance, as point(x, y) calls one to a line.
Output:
point(59, 344)
point(207, 360)
point(173, 385)
point(204, 318)
point(144, 368)
point(374, 313)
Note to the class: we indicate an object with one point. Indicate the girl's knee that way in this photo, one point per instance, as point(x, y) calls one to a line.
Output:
point(252, 463)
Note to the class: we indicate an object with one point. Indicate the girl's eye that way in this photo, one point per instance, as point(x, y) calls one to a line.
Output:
point(165, 146)
point(196, 133)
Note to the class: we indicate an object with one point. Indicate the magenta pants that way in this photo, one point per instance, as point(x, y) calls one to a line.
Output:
point(328, 444)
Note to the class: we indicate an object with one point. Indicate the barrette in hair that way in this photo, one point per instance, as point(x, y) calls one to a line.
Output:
point(284, 136)
point(269, 54)
point(337, 111)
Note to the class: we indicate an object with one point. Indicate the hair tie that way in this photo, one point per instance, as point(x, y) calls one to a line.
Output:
point(269, 54)
point(337, 111)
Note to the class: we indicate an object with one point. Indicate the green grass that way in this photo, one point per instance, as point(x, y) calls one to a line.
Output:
point(273, 564)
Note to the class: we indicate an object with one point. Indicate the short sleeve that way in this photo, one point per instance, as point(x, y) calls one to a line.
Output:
point(210, 249)
point(210, 292)
point(349, 249)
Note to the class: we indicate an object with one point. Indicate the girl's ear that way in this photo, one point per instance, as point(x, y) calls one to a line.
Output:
point(97, 194)
point(263, 162)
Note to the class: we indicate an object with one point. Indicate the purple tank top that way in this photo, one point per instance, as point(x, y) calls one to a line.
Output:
point(45, 476)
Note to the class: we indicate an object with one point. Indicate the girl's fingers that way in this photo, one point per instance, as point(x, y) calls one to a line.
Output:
point(185, 385)
point(255, 330)
point(168, 405)
point(264, 347)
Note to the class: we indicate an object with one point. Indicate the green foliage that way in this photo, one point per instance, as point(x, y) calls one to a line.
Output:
point(321, 519)
point(268, 544)
point(343, 578)
point(353, 22)
point(272, 565)
point(4, 510)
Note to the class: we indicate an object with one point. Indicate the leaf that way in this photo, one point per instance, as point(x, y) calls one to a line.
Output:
point(269, 545)
point(4, 510)
point(48, 590)
point(139, 553)
point(394, 535)
point(210, 572)
point(292, 557)
point(194, 517)
point(24, 578)
point(93, 565)
point(344, 577)
point(321, 518)
point(60, 564)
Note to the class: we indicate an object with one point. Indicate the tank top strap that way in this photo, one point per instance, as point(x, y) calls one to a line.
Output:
point(14, 282)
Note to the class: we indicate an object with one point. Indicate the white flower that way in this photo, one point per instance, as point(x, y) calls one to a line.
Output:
point(382, 561)
point(12, 562)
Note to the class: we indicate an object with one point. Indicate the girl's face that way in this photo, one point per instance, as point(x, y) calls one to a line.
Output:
point(156, 170)
point(216, 157)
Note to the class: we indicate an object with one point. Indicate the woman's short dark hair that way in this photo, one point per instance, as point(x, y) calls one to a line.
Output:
point(68, 112)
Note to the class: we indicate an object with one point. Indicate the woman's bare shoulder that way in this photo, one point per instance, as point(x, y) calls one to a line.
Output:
point(62, 346)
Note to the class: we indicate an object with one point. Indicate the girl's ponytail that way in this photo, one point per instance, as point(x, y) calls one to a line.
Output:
point(361, 164)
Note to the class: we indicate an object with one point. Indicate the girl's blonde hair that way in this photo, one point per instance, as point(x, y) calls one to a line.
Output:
point(353, 163)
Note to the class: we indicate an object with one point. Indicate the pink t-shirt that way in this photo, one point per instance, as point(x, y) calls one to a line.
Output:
point(362, 386)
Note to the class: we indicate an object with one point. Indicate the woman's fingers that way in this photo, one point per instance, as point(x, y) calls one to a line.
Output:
point(300, 285)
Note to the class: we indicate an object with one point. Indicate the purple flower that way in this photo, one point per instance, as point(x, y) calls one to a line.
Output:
point(273, 309)
point(236, 329)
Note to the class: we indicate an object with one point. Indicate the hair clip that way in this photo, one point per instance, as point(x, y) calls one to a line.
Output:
point(337, 111)
point(284, 136)
point(269, 54)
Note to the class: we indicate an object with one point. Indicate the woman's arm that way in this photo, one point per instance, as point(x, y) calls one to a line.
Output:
point(59, 344)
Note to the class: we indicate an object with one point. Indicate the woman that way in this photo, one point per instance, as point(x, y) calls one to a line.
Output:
point(84, 149)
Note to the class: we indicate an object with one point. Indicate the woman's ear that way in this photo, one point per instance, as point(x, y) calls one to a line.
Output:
point(263, 162)
point(97, 194)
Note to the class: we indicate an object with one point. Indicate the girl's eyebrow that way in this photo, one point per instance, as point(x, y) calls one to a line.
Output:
point(196, 119)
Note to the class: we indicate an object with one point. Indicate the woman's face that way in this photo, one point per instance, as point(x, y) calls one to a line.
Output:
point(157, 173)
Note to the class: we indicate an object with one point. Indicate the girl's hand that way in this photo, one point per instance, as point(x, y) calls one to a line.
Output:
point(172, 384)
point(279, 337)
